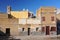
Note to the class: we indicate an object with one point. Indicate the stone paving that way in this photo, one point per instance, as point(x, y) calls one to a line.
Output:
point(38, 37)
point(30, 37)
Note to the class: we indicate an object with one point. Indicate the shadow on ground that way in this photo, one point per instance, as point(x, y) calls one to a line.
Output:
point(4, 36)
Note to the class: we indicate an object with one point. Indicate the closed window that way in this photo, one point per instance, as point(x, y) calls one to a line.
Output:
point(52, 18)
point(43, 18)
point(53, 28)
point(43, 29)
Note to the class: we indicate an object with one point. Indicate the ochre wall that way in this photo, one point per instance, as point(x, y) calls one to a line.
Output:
point(13, 29)
point(9, 23)
point(19, 14)
point(3, 15)
point(48, 18)
point(47, 12)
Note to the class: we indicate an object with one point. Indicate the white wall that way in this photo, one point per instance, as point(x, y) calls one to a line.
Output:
point(30, 21)
point(22, 21)
point(33, 21)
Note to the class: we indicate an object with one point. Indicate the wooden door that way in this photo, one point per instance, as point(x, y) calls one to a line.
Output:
point(47, 30)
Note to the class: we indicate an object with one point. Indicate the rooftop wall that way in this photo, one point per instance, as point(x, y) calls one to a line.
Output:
point(19, 14)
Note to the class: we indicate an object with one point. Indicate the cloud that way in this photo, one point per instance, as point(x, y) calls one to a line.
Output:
point(58, 11)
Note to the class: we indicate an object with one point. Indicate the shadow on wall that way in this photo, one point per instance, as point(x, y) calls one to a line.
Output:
point(10, 16)
point(3, 35)
point(58, 26)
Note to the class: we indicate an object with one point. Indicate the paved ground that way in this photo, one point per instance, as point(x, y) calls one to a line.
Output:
point(38, 37)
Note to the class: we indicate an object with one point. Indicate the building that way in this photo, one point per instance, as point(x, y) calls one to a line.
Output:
point(48, 19)
point(18, 23)
point(58, 21)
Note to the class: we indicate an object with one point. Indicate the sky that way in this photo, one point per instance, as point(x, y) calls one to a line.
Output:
point(31, 5)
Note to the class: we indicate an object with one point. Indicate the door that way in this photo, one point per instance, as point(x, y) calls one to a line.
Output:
point(58, 27)
point(47, 30)
point(8, 31)
point(22, 29)
point(28, 31)
point(43, 29)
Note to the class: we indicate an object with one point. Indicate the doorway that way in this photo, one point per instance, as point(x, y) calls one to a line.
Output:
point(22, 29)
point(8, 31)
point(28, 31)
point(47, 30)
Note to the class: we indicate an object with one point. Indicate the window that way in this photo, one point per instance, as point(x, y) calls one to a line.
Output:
point(53, 28)
point(43, 18)
point(37, 29)
point(52, 18)
point(22, 29)
point(43, 29)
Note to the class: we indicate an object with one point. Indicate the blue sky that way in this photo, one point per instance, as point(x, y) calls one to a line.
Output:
point(32, 5)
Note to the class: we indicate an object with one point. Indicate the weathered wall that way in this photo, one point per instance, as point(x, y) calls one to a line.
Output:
point(3, 15)
point(19, 14)
point(48, 19)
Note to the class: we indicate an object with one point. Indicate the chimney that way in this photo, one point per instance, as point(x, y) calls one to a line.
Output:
point(8, 9)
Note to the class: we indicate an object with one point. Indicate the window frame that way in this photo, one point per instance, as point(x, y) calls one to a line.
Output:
point(52, 18)
point(43, 18)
